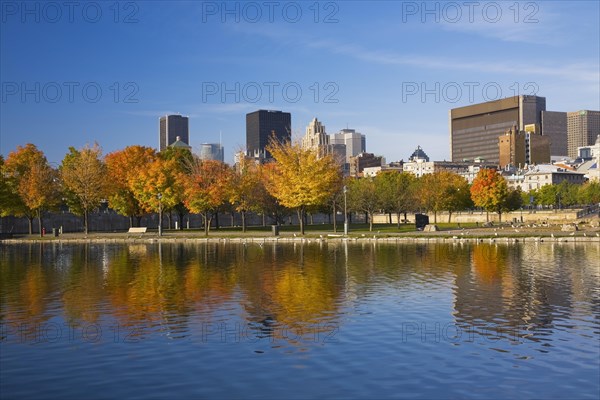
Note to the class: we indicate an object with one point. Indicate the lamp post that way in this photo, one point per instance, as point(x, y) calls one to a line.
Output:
point(345, 212)
point(159, 214)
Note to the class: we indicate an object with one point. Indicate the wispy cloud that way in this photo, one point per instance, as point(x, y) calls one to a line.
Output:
point(585, 72)
point(575, 71)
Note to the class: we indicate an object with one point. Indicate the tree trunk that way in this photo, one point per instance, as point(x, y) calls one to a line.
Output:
point(138, 220)
point(39, 215)
point(449, 216)
point(500, 216)
point(390, 215)
point(243, 214)
point(398, 214)
point(181, 214)
point(264, 221)
point(301, 219)
point(207, 222)
point(85, 222)
point(131, 221)
point(30, 223)
point(334, 219)
point(405, 218)
point(312, 222)
point(232, 219)
point(370, 215)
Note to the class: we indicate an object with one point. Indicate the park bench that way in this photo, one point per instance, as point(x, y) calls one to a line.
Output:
point(140, 230)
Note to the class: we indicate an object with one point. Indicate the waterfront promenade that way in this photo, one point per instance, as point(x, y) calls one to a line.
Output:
point(587, 231)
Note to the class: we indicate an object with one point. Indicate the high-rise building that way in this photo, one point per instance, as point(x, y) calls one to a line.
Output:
point(355, 142)
point(316, 138)
point(474, 129)
point(261, 125)
point(582, 129)
point(211, 151)
point(554, 127)
point(170, 127)
point(519, 148)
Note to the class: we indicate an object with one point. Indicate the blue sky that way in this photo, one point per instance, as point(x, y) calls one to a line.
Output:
point(391, 70)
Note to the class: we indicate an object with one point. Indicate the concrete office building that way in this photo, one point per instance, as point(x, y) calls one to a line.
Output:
point(474, 129)
point(554, 126)
point(355, 142)
point(582, 129)
point(171, 127)
point(211, 151)
point(261, 125)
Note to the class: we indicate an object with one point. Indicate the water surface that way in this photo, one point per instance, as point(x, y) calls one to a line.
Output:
point(312, 320)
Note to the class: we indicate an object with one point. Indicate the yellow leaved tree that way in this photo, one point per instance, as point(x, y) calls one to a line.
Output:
point(301, 178)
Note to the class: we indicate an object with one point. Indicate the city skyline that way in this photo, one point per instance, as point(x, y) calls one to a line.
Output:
point(392, 77)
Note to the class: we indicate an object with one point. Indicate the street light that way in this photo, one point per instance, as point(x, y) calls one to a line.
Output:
point(345, 212)
point(159, 214)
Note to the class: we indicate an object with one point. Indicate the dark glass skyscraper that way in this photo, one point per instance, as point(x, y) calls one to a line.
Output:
point(261, 125)
point(171, 126)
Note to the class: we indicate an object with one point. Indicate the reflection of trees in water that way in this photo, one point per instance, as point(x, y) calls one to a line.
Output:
point(520, 292)
point(291, 291)
point(24, 288)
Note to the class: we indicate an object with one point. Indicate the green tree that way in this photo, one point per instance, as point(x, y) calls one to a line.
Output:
point(568, 193)
point(589, 193)
point(457, 195)
point(84, 177)
point(300, 178)
point(397, 192)
point(363, 196)
point(442, 191)
point(514, 200)
point(548, 195)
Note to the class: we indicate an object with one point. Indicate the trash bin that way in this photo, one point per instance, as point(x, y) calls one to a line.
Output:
point(275, 230)
point(54, 232)
point(421, 221)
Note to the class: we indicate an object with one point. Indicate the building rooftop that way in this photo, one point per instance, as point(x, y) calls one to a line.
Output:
point(418, 154)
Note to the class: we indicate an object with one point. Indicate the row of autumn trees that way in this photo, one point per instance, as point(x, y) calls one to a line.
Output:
point(137, 180)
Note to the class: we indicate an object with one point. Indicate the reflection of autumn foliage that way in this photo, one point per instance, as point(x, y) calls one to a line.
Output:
point(24, 292)
point(84, 292)
point(303, 295)
point(152, 287)
point(489, 262)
